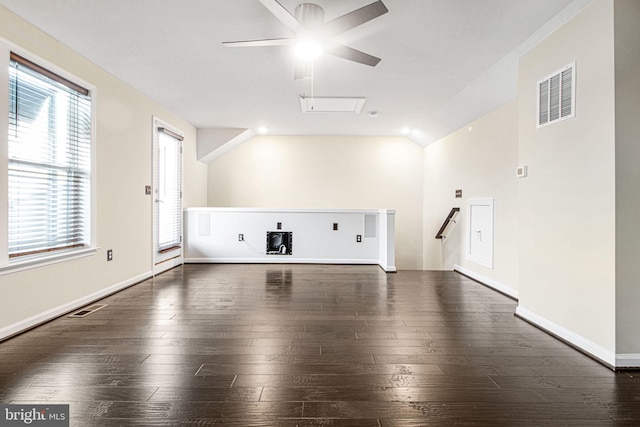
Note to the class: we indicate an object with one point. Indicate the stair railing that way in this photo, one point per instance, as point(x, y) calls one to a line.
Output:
point(450, 219)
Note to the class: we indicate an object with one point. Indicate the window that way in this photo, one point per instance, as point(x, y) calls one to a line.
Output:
point(167, 180)
point(49, 168)
point(169, 190)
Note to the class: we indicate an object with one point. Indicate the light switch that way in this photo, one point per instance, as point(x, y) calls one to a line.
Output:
point(521, 171)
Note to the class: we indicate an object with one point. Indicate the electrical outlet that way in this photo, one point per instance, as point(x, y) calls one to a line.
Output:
point(109, 254)
point(241, 237)
point(335, 226)
point(521, 171)
point(359, 238)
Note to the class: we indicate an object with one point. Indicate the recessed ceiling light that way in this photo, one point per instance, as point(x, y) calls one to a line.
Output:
point(262, 130)
point(406, 131)
point(374, 114)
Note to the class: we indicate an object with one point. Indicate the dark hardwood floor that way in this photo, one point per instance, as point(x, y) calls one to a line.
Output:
point(303, 345)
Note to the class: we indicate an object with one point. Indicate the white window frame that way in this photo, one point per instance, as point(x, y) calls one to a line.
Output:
point(163, 261)
point(8, 265)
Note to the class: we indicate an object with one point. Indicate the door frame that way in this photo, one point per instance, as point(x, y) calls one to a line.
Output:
point(163, 261)
point(489, 234)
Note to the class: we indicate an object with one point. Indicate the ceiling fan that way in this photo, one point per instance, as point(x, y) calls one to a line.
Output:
point(313, 36)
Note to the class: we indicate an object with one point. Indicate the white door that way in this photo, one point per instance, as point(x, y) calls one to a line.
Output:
point(480, 231)
point(167, 197)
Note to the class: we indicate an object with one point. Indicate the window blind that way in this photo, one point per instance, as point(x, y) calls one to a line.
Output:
point(169, 190)
point(49, 161)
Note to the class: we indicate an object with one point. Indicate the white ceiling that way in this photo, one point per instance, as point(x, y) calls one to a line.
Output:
point(444, 62)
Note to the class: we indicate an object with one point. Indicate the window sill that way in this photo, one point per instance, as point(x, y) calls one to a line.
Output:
point(41, 261)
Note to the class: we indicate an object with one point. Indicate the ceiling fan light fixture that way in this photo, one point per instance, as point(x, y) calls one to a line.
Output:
point(312, 35)
point(308, 50)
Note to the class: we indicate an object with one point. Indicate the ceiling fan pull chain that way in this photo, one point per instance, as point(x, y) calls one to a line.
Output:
point(313, 80)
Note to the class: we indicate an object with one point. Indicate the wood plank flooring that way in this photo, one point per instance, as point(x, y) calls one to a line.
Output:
point(304, 345)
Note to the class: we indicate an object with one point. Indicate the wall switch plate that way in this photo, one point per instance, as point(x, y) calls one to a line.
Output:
point(240, 237)
point(109, 254)
point(359, 238)
point(147, 190)
point(458, 194)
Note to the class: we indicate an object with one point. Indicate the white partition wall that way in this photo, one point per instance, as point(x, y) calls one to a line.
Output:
point(240, 235)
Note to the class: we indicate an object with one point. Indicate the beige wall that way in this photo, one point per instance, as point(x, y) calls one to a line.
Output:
point(567, 203)
point(481, 160)
point(327, 172)
point(124, 212)
point(571, 250)
point(627, 93)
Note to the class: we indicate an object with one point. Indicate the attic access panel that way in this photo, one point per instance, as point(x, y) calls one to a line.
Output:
point(329, 104)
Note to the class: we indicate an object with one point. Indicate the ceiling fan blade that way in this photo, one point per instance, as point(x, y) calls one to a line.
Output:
point(259, 43)
point(353, 19)
point(283, 15)
point(351, 54)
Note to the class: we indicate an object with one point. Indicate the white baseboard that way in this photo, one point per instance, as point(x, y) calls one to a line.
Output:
point(43, 317)
point(167, 265)
point(570, 337)
point(502, 288)
point(284, 260)
point(626, 361)
point(616, 361)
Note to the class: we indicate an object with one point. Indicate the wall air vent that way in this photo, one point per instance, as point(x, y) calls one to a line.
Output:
point(556, 96)
point(331, 104)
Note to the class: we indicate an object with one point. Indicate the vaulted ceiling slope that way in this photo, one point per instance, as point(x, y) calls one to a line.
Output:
point(444, 62)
